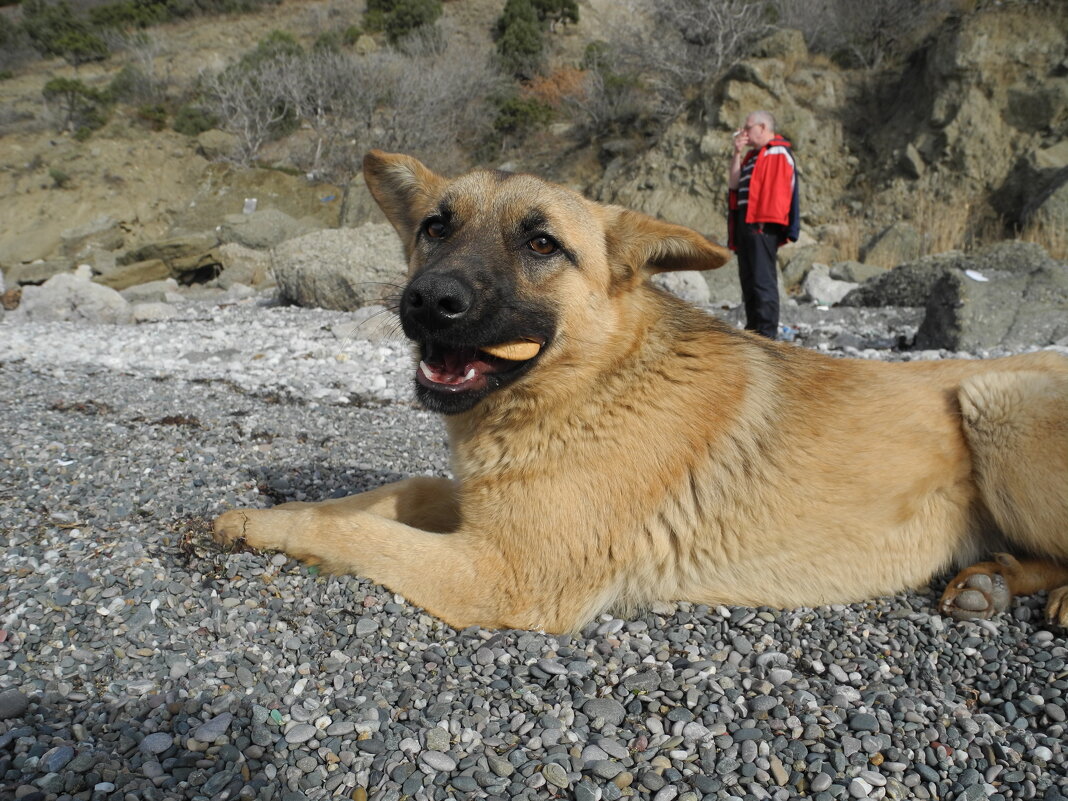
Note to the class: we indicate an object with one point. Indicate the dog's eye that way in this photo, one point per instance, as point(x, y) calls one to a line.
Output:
point(543, 245)
point(435, 229)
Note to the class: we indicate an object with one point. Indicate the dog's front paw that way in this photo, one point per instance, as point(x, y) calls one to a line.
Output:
point(258, 528)
point(977, 593)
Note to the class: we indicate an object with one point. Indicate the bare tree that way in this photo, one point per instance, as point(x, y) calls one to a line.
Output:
point(317, 87)
point(696, 41)
point(862, 37)
point(434, 102)
point(425, 99)
point(249, 103)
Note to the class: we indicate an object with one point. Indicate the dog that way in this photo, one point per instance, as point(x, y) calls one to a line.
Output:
point(612, 445)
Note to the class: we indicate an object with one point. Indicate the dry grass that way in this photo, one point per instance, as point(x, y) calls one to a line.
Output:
point(1052, 238)
point(942, 226)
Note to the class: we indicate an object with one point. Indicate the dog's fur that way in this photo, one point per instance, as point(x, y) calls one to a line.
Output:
point(650, 451)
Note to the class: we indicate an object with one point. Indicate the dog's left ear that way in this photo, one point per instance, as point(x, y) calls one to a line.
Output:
point(649, 246)
point(404, 188)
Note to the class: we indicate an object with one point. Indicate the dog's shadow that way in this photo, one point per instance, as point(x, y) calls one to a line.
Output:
point(316, 482)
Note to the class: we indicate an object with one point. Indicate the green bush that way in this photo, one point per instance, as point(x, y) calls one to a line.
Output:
point(399, 18)
point(517, 115)
point(83, 109)
point(351, 35)
point(131, 85)
point(553, 11)
point(329, 42)
point(193, 120)
point(60, 179)
point(9, 32)
point(521, 31)
point(277, 44)
point(130, 14)
point(519, 38)
point(55, 30)
point(153, 115)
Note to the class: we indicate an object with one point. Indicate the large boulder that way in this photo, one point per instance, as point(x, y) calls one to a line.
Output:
point(855, 271)
point(342, 269)
point(242, 265)
point(260, 230)
point(1009, 295)
point(821, 288)
point(1047, 210)
point(906, 285)
point(188, 257)
point(72, 297)
point(122, 277)
point(689, 286)
point(724, 288)
point(36, 272)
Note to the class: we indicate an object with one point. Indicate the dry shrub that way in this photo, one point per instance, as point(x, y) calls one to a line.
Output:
point(556, 88)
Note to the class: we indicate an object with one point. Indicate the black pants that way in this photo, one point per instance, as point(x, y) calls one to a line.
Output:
point(758, 274)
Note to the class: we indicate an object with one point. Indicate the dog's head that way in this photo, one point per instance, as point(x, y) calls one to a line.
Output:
point(509, 273)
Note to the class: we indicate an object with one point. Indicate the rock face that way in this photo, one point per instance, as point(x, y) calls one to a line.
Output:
point(974, 127)
point(1010, 294)
point(341, 269)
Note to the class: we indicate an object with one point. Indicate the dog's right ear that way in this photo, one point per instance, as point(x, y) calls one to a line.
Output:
point(645, 246)
point(404, 188)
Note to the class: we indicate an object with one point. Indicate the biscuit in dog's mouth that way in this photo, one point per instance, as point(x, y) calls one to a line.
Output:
point(518, 350)
point(462, 369)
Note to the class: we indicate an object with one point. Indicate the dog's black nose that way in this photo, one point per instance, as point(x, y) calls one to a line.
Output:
point(437, 300)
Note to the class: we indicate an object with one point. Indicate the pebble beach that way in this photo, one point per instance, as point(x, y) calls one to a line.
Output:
point(139, 661)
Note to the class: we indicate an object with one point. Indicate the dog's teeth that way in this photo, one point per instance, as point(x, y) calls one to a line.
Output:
point(470, 374)
point(426, 370)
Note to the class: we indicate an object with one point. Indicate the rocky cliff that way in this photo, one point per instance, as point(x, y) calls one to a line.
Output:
point(964, 143)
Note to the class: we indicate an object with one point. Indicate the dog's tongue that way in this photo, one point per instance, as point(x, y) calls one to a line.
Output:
point(455, 370)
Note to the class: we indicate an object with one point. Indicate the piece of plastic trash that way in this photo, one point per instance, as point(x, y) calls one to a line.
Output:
point(250, 205)
point(975, 275)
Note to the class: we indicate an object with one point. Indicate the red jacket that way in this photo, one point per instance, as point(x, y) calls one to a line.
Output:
point(772, 189)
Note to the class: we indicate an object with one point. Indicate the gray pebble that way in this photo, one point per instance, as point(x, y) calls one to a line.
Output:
point(213, 729)
point(301, 733)
point(971, 600)
point(156, 743)
point(608, 709)
point(438, 761)
point(13, 704)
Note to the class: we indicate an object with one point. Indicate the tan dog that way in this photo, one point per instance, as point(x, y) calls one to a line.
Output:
point(612, 445)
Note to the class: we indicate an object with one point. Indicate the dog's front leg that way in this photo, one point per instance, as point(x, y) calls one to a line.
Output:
point(389, 535)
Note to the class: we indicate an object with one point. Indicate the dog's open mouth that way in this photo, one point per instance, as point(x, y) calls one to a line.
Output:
point(465, 369)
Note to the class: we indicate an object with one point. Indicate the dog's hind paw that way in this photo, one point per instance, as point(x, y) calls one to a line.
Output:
point(1057, 607)
point(978, 593)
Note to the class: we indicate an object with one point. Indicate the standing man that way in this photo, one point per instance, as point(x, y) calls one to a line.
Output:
point(763, 214)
